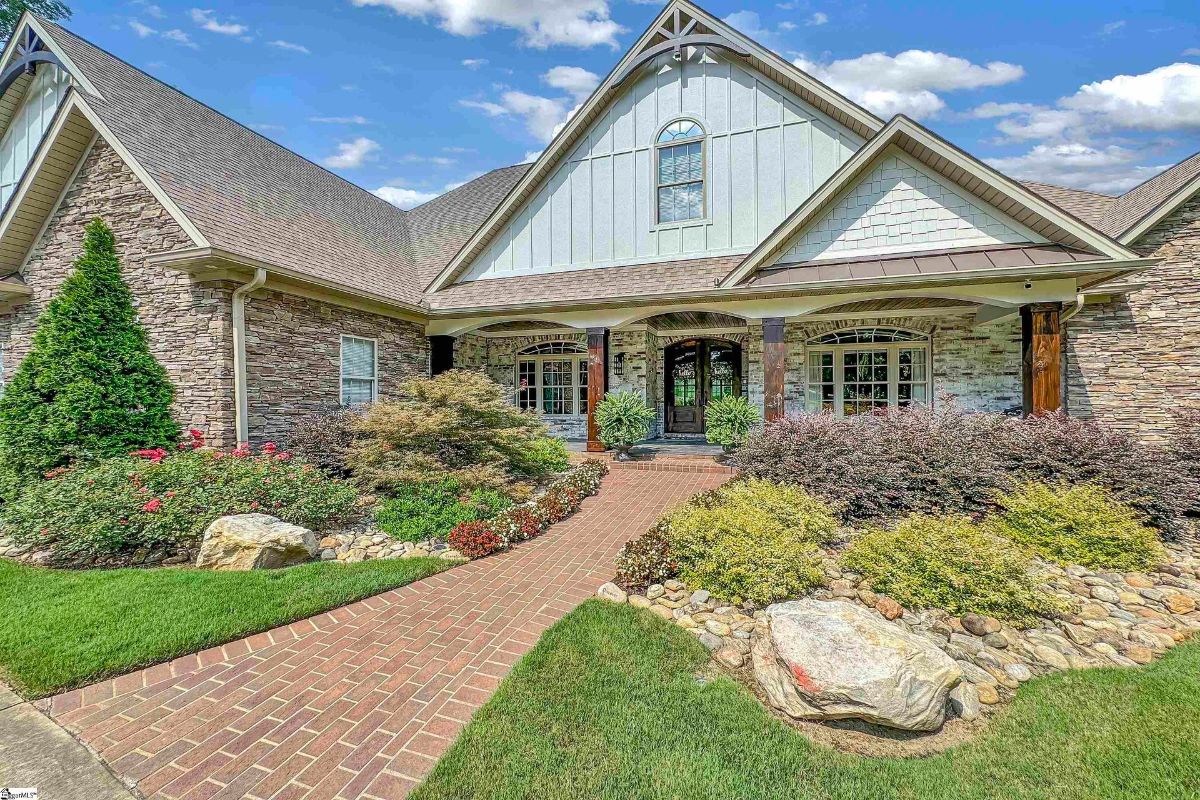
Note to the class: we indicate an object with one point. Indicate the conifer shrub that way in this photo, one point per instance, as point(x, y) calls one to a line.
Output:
point(89, 388)
point(952, 563)
point(1081, 524)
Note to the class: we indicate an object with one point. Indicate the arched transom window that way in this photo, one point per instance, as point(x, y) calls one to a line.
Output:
point(552, 378)
point(859, 370)
point(680, 152)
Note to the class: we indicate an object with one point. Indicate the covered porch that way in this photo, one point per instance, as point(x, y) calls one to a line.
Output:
point(993, 347)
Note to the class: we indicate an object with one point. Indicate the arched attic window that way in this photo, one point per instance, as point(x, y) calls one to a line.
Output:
point(861, 370)
point(551, 377)
point(680, 186)
point(43, 91)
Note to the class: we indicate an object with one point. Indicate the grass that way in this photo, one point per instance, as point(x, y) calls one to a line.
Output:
point(61, 629)
point(606, 706)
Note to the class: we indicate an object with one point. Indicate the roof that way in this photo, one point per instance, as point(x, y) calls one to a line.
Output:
point(931, 263)
point(1091, 207)
point(1145, 198)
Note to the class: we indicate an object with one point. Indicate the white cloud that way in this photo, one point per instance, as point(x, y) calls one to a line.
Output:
point(751, 24)
point(351, 154)
point(531, 156)
point(474, 63)
point(179, 37)
point(205, 19)
point(267, 126)
point(908, 82)
point(441, 161)
point(141, 30)
point(295, 48)
point(356, 119)
point(1111, 170)
point(991, 110)
point(575, 81)
point(1192, 51)
point(404, 198)
point(350, 87)
point(1163, 99)
point(818, 18)
point(1112, 27)
point(542, 23)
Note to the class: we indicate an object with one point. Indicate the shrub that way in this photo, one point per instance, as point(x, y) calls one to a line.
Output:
point(457, 425)
point(157, 499)
point(517, 524)
point(742, 549)
point(1080, 524)
point(474, 539)
point(419, 511)
point(1184, 448)
point(543, 456)
point(646, 560)
point(323, 439)
point(951, 563)
point(728, 420)
point(946, 460)
point(624, 419)
point(89, 388)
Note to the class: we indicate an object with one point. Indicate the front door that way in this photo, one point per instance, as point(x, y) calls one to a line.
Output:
point(697, 372)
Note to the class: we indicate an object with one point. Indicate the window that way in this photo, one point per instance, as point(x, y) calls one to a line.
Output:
point(860, 370)
point(359, 380)
point(552, 378)
point(681, 172)
point(24, 133)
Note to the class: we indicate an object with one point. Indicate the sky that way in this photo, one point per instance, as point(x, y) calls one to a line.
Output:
point(409, 98)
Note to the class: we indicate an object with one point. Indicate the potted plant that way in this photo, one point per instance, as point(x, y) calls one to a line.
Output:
point(728, 420)
point(624, 420)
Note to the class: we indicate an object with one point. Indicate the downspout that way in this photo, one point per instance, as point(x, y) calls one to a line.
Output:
point(1070, 312)
point(241, 403)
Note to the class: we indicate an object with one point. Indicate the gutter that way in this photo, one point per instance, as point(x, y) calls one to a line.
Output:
point(241, 401)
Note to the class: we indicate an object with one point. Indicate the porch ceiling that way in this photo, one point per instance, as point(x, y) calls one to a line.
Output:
point(692, 320)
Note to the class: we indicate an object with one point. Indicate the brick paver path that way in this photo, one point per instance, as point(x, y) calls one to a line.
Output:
point(360, 701)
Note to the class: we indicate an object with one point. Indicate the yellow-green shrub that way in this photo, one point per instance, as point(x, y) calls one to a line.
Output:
point(950, 563)
point(1082, 524)
point(752, 540)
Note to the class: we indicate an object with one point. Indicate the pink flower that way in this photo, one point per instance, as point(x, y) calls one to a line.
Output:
point(254, 505)
point(153, 455)
point(196, 433)
point(284, 456)
point(171, 493)
point(152, 506)
point(269, 448)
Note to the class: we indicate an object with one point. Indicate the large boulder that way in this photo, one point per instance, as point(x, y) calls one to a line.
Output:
point(823, 660)
point(255, 541)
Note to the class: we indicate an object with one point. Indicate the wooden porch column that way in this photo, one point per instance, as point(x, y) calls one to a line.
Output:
point(441, 354)
point(774, 367)
point(597, 383)
point(1041, 338)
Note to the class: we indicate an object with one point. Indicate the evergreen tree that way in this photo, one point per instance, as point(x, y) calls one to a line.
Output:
point(11, 10)
point(89, 387)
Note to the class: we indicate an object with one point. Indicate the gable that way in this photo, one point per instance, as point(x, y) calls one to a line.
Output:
point(764, 151)
point(900, 206)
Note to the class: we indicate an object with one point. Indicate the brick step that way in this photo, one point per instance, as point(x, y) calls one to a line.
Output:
point(707, 467)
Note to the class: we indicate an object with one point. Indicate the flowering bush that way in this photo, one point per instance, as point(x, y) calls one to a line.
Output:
point(885, 466)
point(158, 499)
point(646, 560)
point(518, 524)
point(475, 539)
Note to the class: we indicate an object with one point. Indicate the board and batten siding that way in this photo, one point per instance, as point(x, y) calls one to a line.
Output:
point(765, 151)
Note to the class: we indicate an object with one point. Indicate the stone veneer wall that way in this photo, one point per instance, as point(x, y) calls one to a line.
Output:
point(1135, 359)
point(293, 357)
point(189, 324)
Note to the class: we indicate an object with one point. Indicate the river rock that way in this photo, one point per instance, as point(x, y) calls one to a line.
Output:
point(255, 541)
point(833, 660)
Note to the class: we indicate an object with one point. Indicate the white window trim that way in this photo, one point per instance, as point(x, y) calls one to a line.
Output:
point(893, 382)
point(576, 359)
point(655, 185)
point(342, 376)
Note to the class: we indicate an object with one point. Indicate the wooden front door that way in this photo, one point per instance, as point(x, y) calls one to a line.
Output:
point(697, 372)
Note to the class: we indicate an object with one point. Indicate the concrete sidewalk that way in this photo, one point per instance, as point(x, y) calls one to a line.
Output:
point(36, 752)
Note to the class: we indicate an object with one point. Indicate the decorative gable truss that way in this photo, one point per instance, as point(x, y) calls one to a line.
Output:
point(907, 191)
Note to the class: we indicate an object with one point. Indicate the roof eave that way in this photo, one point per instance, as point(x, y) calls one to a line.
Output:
point(1160, 211)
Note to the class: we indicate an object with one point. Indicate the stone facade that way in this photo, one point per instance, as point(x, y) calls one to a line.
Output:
point(1133, 360)
point(189, 324)
point(293, 357)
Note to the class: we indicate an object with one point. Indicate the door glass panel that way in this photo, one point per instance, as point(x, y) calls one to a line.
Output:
point(526, 385)
point(582, 384)
point(556, 386)
point(864, 381)
point(683, 377)
point(721, 372)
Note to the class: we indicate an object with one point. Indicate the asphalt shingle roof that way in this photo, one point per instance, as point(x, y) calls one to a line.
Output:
point(1133, 206)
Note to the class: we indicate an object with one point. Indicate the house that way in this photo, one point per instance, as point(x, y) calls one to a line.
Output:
point(712, 221)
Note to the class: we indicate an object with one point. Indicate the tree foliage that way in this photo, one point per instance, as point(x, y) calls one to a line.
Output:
point(89, 387)
point(11, 10)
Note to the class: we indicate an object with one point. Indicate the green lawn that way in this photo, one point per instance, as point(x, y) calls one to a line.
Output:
point(61, 629)
point(606, 706)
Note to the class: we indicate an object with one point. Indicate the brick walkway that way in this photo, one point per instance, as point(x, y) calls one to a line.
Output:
point(360, 701)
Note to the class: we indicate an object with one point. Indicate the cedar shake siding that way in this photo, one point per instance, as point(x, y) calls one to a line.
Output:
point(1135, 359)
point(189, 324)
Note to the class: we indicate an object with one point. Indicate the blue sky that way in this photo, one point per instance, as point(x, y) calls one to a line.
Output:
point(410, 97)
